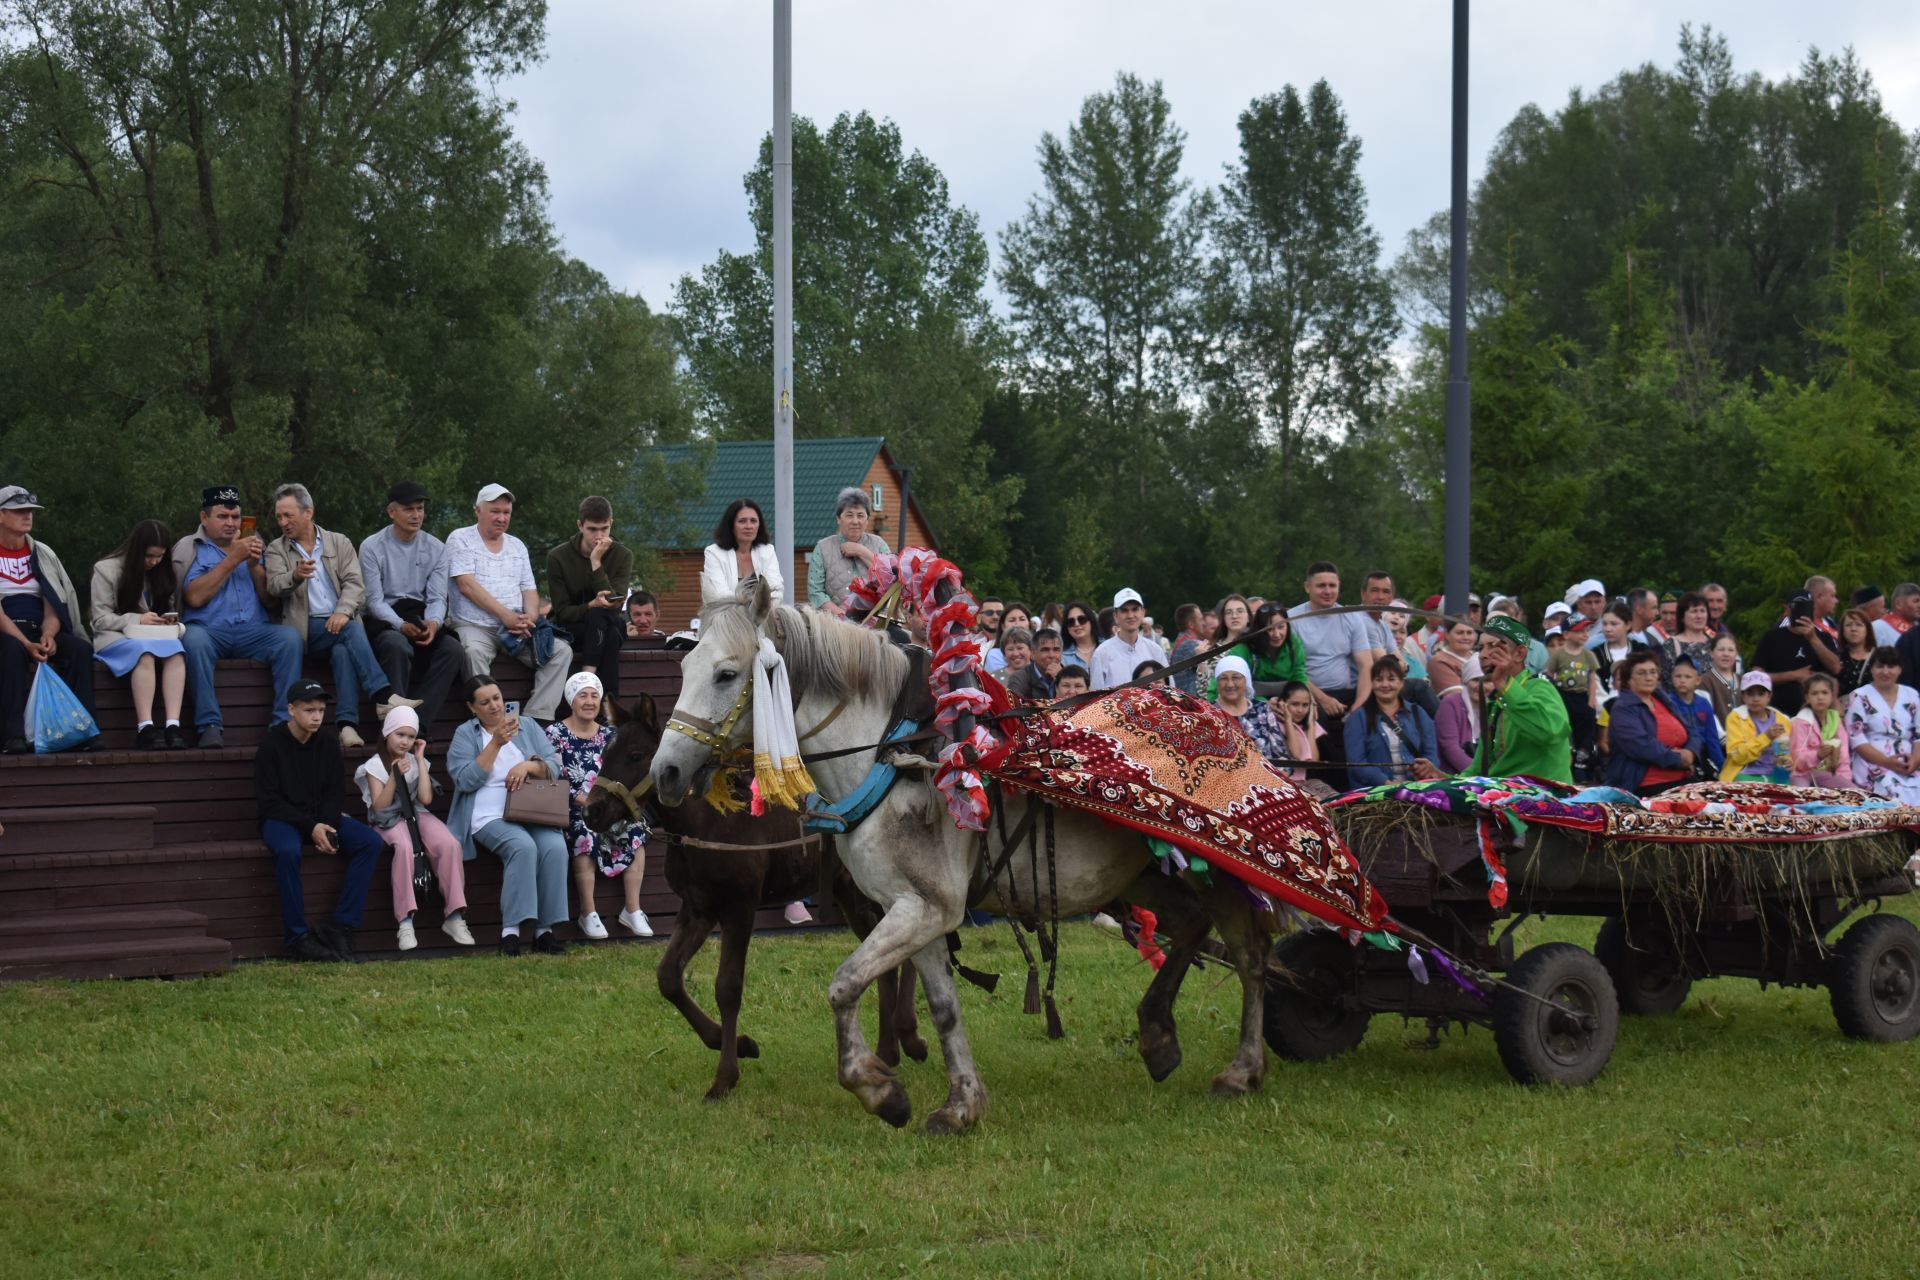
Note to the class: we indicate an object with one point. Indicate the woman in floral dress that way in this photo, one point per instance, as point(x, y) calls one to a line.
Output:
point(579, 740)
point(1883, 732)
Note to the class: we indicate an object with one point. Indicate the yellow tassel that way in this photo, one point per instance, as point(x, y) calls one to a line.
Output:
point(721, 793)
point(787, 785)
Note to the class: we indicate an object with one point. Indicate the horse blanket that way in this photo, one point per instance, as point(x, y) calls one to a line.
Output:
point(1167, 764)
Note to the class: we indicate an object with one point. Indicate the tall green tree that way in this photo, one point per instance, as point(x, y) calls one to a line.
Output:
point(1298, 316)
point(261, 243)
point(892, 335)
point(1838, 489)
point(1101, 274)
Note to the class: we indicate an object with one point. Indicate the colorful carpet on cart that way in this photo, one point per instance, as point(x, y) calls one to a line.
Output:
point(1169, 765)
point(1701, 812)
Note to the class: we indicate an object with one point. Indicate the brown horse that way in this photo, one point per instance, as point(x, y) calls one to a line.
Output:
point(771, 866)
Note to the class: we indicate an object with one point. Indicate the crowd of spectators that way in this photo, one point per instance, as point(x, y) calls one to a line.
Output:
point(1636, 691)
point(1639, 691)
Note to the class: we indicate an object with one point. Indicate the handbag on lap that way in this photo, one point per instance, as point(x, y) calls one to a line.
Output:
point(538, 802)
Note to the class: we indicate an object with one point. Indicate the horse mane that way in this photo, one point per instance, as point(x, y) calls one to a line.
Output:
point(821, 651)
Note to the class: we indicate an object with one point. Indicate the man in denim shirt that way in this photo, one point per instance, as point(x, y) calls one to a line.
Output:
point(224, 593)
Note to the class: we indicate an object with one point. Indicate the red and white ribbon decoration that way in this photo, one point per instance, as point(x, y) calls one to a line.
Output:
point(956, 651)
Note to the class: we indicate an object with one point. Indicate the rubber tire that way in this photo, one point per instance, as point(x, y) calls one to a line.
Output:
point(1533, 1044)
point(1298, 1027)
point(1640, 983)
point(1879, 948)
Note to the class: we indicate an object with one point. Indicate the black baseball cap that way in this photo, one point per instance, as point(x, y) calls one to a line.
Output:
point(405, 491)
point(306, 691)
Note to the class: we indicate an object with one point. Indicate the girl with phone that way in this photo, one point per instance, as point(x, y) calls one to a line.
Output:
point(388, 780)
point(137, 632)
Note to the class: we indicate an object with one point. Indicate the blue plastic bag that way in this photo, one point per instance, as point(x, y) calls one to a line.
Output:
point(55, 717)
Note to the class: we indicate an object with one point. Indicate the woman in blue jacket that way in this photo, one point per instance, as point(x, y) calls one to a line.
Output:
point(490, 756)
point(1388, 740)
point(1653, 749)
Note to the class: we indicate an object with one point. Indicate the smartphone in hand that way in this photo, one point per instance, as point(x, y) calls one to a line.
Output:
point(247, 525)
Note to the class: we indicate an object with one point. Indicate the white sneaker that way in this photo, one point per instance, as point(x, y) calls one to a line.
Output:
point(637, 921)
point(455, 927)
point(350, 738)
point(407, 939)
point(1101, 920)
point(797, 913)
point(591, 926)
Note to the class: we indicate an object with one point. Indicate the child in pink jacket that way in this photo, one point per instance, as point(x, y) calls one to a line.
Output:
point(1817, 745)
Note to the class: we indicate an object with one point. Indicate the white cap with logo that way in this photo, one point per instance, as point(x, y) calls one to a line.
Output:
point(1126, 596)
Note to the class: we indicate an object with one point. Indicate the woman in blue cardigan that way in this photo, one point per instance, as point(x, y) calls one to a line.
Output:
point(491, 755)
point(1388, 740)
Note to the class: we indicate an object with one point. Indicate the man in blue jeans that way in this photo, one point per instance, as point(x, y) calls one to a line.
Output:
point(316, 576)
point(297, 782)
point(224, 594)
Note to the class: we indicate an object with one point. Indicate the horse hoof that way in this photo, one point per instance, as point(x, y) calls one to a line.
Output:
point(945, 1124)
point(746, 1047)
point(1161, 1053)
point(914, 1048)
point(894, 1108)
point(1229, 1085)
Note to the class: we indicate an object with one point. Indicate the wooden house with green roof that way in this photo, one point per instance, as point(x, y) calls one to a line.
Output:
point(821, 469)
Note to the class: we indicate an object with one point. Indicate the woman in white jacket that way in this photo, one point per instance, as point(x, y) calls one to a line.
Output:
point(136, 630)
point(742, 548)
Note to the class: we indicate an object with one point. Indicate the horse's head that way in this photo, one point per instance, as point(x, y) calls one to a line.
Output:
point(714, 715)
point(618, 793)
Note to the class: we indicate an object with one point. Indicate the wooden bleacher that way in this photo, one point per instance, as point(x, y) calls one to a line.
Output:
point(123, 863)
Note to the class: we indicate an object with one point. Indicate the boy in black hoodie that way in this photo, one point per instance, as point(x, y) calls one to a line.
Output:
point(297, 780)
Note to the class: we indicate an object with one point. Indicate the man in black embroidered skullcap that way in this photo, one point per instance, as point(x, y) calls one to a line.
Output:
point(223, 588)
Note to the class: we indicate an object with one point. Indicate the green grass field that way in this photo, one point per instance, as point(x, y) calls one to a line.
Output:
point(480, 1117)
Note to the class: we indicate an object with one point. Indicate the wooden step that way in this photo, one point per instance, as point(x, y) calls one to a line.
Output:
point(149, 958)
point(69, 828)
point(102, 924)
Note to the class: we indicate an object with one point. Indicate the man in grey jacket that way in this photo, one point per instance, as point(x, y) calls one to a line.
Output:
point(405, 571)
point(316, 575)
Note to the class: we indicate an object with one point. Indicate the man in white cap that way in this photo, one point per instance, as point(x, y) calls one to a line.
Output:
point(41, 619)
point(1114, 661)
point(496, 604)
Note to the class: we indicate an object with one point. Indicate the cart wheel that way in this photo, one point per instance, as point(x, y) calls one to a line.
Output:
point(1306, 1019)
point(1566, 1034)
point(1647, 976)
point(1873, 979)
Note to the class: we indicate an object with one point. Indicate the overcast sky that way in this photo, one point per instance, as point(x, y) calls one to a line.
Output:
point(647, 113)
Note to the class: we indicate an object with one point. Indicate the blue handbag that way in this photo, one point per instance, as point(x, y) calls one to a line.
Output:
point(56, 719)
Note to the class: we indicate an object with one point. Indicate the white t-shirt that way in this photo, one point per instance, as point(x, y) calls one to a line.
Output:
point(505, 574)
point(490, 801)
point(1115, 659)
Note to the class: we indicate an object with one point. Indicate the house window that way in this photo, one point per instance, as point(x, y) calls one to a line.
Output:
point(879, 497)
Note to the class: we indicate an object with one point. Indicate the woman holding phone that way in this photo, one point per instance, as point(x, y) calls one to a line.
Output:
point(136, 625)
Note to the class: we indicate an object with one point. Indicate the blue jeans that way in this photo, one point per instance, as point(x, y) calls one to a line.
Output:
point(359, 844)
point(354, 666)
point(267, 642)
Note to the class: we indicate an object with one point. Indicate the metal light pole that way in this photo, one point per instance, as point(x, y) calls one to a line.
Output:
point(783, 284)
point(1459, 394)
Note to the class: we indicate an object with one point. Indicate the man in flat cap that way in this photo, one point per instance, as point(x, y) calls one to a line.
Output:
point(41, 619)
point(223, 588)
point(405, 569)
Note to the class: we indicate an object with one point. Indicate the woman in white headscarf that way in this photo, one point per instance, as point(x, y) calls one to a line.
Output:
point(579, 741)
point(1233, 694)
